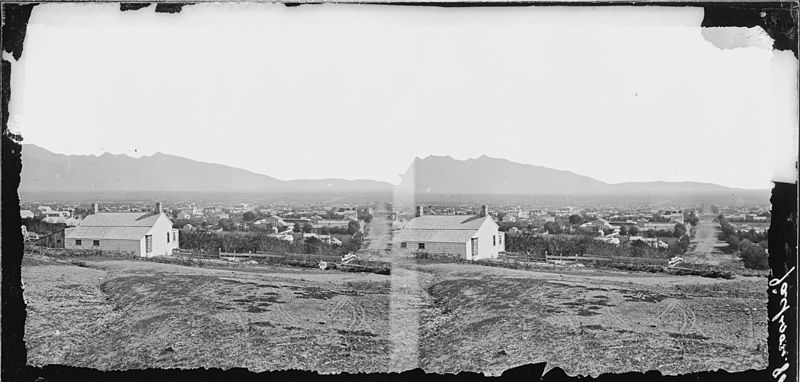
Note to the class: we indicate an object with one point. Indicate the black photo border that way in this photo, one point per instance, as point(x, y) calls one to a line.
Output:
point(778, 19)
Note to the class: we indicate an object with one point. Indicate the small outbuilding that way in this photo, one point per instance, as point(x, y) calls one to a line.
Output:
point(463, 236)
point(139, 233)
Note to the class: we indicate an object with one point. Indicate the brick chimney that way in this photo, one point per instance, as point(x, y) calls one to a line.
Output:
point(484, 211)
point(95, 207)
point(158, 208)
point(419, 211)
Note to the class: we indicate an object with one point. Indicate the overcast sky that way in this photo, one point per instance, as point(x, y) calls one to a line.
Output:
point(619, 94)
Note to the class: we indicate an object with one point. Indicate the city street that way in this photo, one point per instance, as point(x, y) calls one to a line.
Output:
point(706, 248)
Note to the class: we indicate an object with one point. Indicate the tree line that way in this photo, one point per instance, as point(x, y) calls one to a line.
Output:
point(555, 228)
point(538, 245)
point(243, 242)
point(750, 245)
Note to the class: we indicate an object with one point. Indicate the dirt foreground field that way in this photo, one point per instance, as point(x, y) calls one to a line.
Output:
point(122, 314)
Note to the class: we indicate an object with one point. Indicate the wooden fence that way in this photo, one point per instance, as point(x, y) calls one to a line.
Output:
point(615, 259)
point(264, 255)
point(356, 265)
point(195, 254)
point(521, 256)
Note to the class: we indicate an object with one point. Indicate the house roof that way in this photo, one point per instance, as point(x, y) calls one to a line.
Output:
point(121, 219)
point(118, 225)
point(446, 222)
point(440, 228)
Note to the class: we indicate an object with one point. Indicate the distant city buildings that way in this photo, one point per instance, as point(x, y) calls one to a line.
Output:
point(327, 239)
point(659, 226)
point(330, 223)
point(350, 213)
point(673, 216)
point(651, 241)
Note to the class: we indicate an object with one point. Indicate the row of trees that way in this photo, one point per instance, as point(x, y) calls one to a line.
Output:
point(36, 224)
point(680, 247)
point(367, 218)
point(242, 242)
point(734, 236)
point(229, 225)
point(555, 228)
point(691, 219)
point(750, 245)
point(584, 245)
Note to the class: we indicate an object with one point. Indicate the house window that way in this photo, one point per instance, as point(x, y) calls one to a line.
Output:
point(96, 243)
point(403, 244)
point(501, 238)
point(494, 240)
point(174, 236)
point(77, 242)
point(421, 246)
point(167, 237)
point(148, 239)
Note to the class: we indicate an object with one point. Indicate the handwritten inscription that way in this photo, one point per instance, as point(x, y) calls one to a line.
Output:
point(780, 287)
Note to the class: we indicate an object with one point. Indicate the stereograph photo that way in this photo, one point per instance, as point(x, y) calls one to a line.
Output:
point(365, 188)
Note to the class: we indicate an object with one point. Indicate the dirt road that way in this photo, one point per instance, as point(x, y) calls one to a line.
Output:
point(379, 234)
point(706, 248)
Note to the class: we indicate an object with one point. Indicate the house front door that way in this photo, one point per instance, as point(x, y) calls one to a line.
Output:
point(474, 241)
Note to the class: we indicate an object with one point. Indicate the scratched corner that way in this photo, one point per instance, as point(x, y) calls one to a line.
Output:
point(778, 23)
point(15, 25)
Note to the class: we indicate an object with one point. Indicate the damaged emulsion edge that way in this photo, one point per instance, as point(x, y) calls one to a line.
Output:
point(782, 232)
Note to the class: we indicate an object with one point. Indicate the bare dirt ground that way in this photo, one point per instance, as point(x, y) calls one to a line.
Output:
point(491, 320)
point(130, 314)
point(706, 248)
point(121, 314)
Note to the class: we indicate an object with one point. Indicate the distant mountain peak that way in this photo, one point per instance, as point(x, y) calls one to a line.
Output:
point(47, 171)
point(487, 175)
point(438, 157)
point(434, 174)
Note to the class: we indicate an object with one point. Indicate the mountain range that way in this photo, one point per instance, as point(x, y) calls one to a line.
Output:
point(434, 175)
point(43, 170)
point(485, 175)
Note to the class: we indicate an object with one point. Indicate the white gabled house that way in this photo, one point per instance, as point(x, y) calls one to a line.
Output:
point(139, 233)
point(467, 237)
